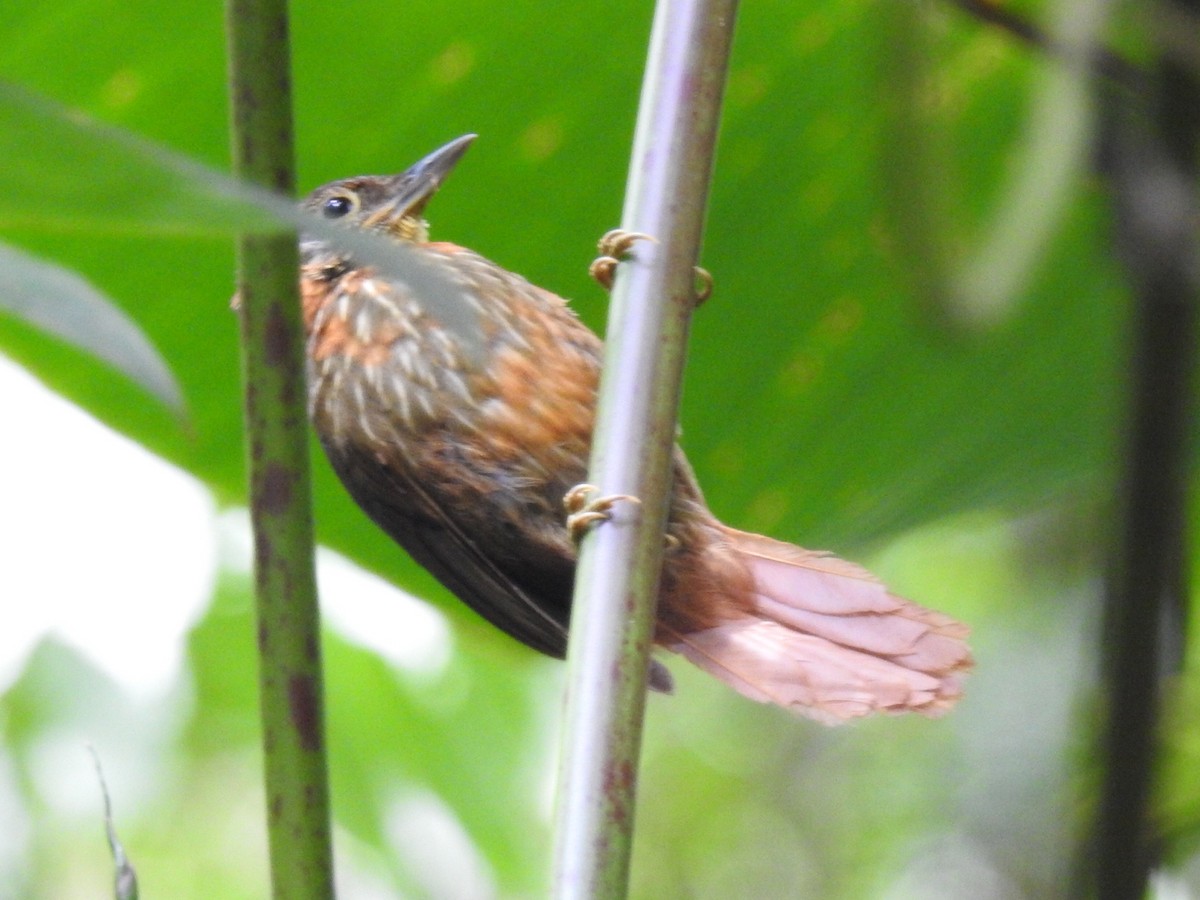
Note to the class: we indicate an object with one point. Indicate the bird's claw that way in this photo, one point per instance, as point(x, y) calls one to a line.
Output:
point(618, 241)
point(585, 509)
point(615, 245)
point(602, 270)
point(704, 286)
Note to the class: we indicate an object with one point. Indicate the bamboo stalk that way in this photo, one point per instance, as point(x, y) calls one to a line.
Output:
point(617, 579)
point(277, 451)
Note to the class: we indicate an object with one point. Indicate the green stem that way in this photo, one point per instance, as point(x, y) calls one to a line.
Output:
point(276, 433)
point(617, 580)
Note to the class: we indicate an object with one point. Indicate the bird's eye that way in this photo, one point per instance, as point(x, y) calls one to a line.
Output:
point(336, 207)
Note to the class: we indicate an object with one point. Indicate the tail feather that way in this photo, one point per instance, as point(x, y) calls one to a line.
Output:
point(825, 638)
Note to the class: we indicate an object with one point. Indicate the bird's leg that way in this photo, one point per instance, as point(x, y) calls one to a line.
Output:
point(585, 509)
point(614, 246)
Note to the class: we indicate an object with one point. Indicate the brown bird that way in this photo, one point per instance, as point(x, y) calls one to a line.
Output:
point(458, 412)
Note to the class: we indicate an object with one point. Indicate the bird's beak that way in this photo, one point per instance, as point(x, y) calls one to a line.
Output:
point(414, 188)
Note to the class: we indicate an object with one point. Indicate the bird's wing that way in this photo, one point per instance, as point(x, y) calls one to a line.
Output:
point(526, 594)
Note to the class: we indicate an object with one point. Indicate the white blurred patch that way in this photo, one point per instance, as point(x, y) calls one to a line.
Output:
point(360, 870)
point(134, 763)
point(436, 849)
point(114, 550)
point(369, 611)
point(950, 868)
point(1166, 885)
point(104, 544)
point(362, 607)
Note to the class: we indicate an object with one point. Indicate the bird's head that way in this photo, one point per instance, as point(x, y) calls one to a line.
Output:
point(389, 204)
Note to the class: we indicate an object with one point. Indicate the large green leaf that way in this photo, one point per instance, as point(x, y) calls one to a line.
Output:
point(817, 405)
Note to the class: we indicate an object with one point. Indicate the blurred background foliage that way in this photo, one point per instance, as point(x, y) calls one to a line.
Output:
point(826, 403)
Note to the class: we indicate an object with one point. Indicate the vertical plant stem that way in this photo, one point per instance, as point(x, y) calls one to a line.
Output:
point(276, 430)
point(617, 580)
point(1153, 163)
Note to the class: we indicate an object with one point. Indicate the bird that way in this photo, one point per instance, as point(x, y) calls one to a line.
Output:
point(457, 410)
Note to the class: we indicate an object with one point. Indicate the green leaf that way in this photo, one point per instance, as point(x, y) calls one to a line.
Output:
point(64, 169)
point(819, 437)
point(61, 303)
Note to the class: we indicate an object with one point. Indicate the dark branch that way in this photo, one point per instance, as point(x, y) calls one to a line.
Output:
point(1149, 151)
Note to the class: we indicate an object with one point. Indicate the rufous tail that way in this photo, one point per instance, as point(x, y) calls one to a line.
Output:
point(824, 638)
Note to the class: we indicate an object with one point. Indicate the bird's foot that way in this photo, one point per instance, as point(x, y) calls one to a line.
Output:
point(585, 509)
point(614, 246)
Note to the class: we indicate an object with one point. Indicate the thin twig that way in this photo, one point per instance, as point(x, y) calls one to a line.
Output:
point(125, 884)
point(276, 428)
point(617, 579)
